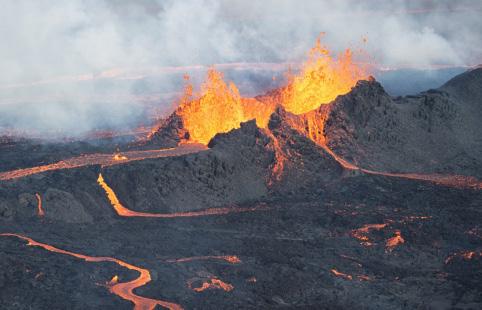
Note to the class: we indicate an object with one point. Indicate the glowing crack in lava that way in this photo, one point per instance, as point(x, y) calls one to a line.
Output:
point(40, 210)
point(121, 289)
point(232, 259)
point(464, 255)
point(212, 283)
point(220, 108)
point(123, 211)
point(341, 274)
point(361, 233)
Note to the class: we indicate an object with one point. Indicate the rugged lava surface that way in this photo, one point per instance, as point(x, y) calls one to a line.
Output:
point(355, 204)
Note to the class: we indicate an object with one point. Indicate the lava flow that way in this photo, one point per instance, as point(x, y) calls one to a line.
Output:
point(212, 283)
point(465, 255)
point(123, 211)
point(40, 210)
point(104, 160)
point(361, 233)
point(232, 259)
point(121, 289)
point(341, 274)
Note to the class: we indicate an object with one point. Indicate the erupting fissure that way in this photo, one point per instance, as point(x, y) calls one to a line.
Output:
point(124, 290)
point(219, 107)
point(321, 80)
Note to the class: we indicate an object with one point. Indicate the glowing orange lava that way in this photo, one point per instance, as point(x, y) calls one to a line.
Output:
point(465, 255)
point(113, 281)
point(361, 233)
point(220, 108)
point(212, 283)
point(341, 274)
point(123, 211)
point(395, 241)
point(121, 289)
point(321, 80)
point(232, 259)
point(104, 160)
point(119, 157)
point(40, 210)
point(364, 277)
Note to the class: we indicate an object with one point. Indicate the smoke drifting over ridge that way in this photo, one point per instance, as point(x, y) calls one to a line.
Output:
point(76, 65)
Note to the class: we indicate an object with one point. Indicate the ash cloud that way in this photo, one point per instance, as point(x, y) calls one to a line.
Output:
point(78, 65)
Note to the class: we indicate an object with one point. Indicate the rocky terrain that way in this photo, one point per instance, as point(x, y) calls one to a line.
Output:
point(299, 228)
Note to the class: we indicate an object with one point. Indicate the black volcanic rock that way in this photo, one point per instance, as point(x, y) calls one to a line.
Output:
point(240, 167)
point(435, 131)
point(170, 133)
point(306, 165)
point(468, 85)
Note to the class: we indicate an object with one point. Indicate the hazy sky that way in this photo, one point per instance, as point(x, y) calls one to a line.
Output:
point(52, 50)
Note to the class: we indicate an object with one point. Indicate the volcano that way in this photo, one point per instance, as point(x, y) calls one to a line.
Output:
point(298, 198)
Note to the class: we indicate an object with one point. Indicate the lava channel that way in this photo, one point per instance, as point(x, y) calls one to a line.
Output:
point(40, 210)
point(104, 160)
point(123, 211)
point(232, 259)
point(121, 289)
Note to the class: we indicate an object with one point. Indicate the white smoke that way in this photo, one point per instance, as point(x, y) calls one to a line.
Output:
point(63, 63)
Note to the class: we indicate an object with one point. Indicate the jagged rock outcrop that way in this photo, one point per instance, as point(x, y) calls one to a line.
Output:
point(435, 131)
point(169, 134)
point(233, 171)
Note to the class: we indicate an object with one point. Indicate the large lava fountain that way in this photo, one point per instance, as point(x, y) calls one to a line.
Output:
point(219, 107)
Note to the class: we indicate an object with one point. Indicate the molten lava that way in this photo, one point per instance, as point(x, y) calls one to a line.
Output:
point(104, 160)
point(321, 80)
point(232, 259)
point(40, 210)
point(464, 255)
point(124, 290)
point(361, 233)
point(212, 283)
point(395, 241)
point(220, 108)
point(123, 211)
point(341, 274)
point(119, 157)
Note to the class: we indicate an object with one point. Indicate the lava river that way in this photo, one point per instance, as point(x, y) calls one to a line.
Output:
point(104, 160)
point(121, 289)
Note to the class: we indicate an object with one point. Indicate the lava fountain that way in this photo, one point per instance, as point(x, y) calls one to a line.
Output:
point(321, 80)
point(220, 108)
